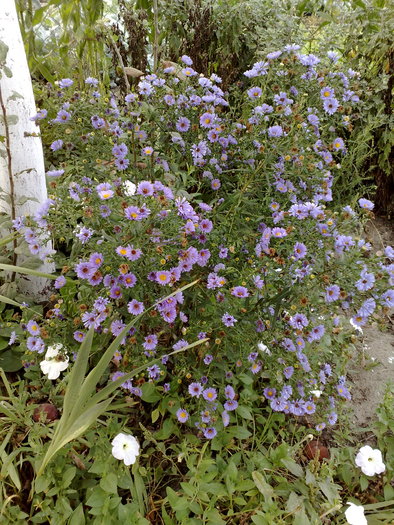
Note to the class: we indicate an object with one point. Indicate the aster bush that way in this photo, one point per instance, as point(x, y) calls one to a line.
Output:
point(173, 185)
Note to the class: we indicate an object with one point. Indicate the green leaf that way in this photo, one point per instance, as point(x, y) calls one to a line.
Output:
point(15, 95)
point(10, 361)
point(293, 467)
point(77, 517)
point(150, 393)
point(110, 483)
point(3, 51)
point(266, 490)
point(8, 73)
point(244, 412)
point(27, 271)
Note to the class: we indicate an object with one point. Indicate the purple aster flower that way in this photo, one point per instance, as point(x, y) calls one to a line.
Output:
point(163, 277)
point(97, 122)
point(120, 150)
point(208, 359)
point(207, 120)
point(269, 393)
point(387, 299)
point(278, 404)
point(187, 60)
point(182, 415)
point(209, 394)
point(79, 336)
point(135, 307)
point(189, 72)
point(195, 389)
point(153, 372)
point(327, 93)
point(210, 432)
point(275, 131)
point(105, 211)
point(145, 188)
point(62, 117)
point(225, 418)
point(41, 114)
point(366, 204)
point(33, 328)
point(316, 333)
point(299, 250)
point(54, 173)
point(338, 144)
point(297, 408)
point(122, 163)
point(309, 407)
point(288, 345)
point(288, 372)
point(104, 191)
point(240, 291)
point(56, 145)
point(215, 184)
point(35, 344)
point(91, 81)
point(60, 282)
point(84, 269)
point(330, 105)
point(228, 320)
point(229, 392)
point(343, 392)
point(180, 344)
point(298, 321)
point(150, 342)
point(332, 418)
point(84, 234)
point(254, 92)
point(367, 308)
point(366, 281)
point(183, 124)
point(230, 404)
point(65, 83)
point(332, 293)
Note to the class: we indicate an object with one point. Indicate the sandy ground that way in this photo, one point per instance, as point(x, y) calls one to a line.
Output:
point(373, 367)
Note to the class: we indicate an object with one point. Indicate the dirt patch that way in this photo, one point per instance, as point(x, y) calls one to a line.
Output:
point(373, 367)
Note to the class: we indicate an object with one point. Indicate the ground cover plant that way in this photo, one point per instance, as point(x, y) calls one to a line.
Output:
point(203, 270)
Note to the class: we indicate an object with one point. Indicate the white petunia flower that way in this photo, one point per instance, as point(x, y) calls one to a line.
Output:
point(54, 362)
point(317, 393)
point(370, 461)
point(355, 515)
point(125, 447)
point(129, 188)
point(263, 348)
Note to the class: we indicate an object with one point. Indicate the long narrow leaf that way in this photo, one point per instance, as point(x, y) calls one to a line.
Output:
point(73, 432)
point(27, 271)
point(77, 374)
point(6, 300)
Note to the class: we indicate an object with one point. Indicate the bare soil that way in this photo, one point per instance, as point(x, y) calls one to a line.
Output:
point(373, 367)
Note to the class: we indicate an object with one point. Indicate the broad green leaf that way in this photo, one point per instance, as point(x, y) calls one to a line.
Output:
point(266, 490)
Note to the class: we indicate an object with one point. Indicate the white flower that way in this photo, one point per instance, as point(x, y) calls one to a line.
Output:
point(355, 514)
point(54, 362)
point(125, 447)
point(370, 461)
point(358, 328)
point(263, 348)
point(129, 188)
point(317, 393)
